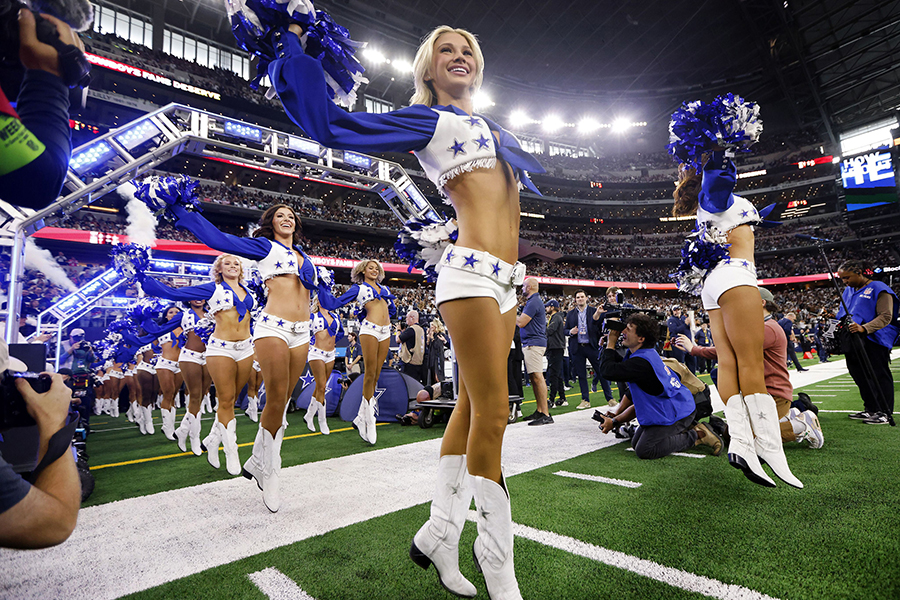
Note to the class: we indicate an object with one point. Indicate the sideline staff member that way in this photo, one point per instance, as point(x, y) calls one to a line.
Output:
point(664, 407)
point(873, 307)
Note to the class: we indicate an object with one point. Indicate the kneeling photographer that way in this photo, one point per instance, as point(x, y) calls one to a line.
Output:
point(664, 408)
point(42, 513)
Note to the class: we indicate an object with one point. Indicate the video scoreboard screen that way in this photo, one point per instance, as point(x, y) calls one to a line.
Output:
point(869, 179)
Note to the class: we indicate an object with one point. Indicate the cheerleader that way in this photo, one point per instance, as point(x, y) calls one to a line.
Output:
point(281, 332)
point(229, 351)
point(168, 372)
point(192, 362)
point(730, 295)
point(376, 307)
point(479, 167)
point(326, 330)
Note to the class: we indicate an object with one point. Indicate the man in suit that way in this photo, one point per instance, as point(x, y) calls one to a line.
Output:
point(583, 327)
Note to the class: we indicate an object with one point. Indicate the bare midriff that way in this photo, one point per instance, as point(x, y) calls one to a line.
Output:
point(324, 341)
point(377, 311)
point(741, 242)
point(288, 298)
point(169, 351)
point(194, 343)
point(487, 210)
point(230, 327)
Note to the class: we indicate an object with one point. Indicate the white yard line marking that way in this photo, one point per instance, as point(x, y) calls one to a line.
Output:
point(671, 576)
point(846, 412)
point(598, 479)
point(684, 454)
point(278, 586)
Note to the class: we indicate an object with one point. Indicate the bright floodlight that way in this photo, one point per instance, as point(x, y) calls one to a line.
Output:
point(588, 125)
point(620, 125)
point(553, 123)
point(482, 101)
point(519, 119)
point(374, 56)
point(403, 66)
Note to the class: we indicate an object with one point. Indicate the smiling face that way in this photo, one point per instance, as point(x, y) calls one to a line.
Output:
point(453, 66)
point(372, 271)
point(283, 222)
point(229, 267)
point(172, 312)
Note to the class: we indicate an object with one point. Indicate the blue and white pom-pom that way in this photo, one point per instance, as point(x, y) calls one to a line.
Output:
point(697, 127)
point(254, 22)
point(254, 281)
point(160, 193)
point(326, 278)
point(421, 242)
point(130, 260)
point(120, 325)
point(146, 308)
point(699, 256)
point(204, 328)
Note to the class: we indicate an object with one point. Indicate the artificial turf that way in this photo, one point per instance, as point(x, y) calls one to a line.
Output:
point(837, 538)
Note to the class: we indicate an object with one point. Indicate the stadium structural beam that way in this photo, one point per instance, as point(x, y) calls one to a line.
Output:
point(124, 154)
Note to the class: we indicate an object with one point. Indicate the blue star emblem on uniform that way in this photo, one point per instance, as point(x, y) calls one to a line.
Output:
point(470, 261)
point(290, 263)
point(744, 213)
point(473, 122)
point(457, 148)
point(218, 301)
point(728, 261)
point(482, 142)
point(449, 256)
point(278, 265)
point(222, 343)
point(280, 322)
point(496, 268)
point(746, 263)
point(307, 379)
point(265, 318)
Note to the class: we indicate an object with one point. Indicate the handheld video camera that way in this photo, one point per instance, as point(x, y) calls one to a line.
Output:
point(13, 410)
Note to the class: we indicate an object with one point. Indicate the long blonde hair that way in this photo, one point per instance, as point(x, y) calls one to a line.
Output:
point(425, 55)
point(216, 269)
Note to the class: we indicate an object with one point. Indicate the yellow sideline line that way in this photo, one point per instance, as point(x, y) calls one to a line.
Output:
point(155, 458)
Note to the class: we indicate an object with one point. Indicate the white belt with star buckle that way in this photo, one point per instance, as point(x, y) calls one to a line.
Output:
point(483, 263)
point(279, 323)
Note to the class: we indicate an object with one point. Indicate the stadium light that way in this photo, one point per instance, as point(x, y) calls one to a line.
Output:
point(519, 119)
point(403, 65)
point(243, 131)
point(92, 155)
point(482, 101)
point(137, 135)
point(588, 125)
point(552, 123)
point(620, 125)
point(374, 56)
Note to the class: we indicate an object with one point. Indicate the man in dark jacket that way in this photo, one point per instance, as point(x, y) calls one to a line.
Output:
point(556, 342)
point(583, 327)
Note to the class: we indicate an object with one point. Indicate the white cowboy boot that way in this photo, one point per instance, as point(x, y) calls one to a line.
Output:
point(130, 414)
point(114, 407)
point(311, 412)
point(211, 443)
point(99, 406)
point(229, 444)
point(741, 449)
point(361, 420)
point(764, 420)
point(177, 400)
point(181, 434)
point(264, 466)
point(159, 399)
point(252, 408)
point(493, 549)
point(370, 425)
point(148, 419)
point(323, 424)
point(168, 423)
point(437, 541)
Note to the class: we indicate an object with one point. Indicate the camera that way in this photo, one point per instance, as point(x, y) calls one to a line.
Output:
point(13, 410)
point(614, 316)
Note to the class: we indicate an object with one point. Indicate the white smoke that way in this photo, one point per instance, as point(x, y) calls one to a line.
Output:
point(41, 260)
point(141, 227)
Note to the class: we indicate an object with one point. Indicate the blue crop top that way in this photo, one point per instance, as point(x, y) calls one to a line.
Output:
point(219, 296)
point(361, 293)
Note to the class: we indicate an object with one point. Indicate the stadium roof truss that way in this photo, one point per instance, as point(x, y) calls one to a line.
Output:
point(124, 154)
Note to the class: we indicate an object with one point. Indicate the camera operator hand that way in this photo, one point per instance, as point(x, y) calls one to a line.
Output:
point(37, 55)
point(49, 410)
point(607, 425)
point(855, 327)
point(684, 342)
point(613, 337)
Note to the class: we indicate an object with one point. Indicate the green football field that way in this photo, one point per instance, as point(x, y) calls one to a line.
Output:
point(685, 526)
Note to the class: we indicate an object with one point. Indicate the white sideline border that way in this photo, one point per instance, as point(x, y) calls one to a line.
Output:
point(277, 586)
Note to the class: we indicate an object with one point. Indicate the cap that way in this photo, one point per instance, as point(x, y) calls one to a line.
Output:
point(676, 307)
point(766, 295)
point(552, 303)
point(75, 332)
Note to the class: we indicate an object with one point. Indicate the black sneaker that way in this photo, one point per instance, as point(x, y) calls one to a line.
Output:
point(541, 419)
point(537, 414)
point(878, 418)
point(802, 370)
point(804, 399)
point(862, 416)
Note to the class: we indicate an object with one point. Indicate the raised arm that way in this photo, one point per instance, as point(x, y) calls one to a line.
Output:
point(300, 83)
point(209, 234)
point(171, 325)
point(719, 176)
point(329, 302)
point(154, 288)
